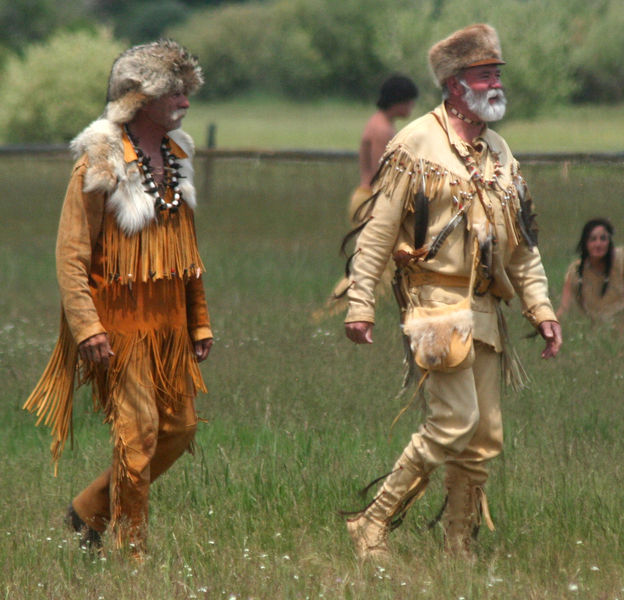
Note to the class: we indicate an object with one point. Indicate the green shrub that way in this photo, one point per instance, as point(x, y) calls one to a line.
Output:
point(295, 47)
point(230, 44)
point(145, 21)
point(56, 88)
point(342, 33)
point(323, 47)
point(597, 59)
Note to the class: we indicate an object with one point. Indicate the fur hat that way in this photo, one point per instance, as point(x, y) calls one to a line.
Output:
point(148, 71)
point(473, 46)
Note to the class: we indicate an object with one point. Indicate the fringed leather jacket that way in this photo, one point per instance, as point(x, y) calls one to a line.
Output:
point(432, 195)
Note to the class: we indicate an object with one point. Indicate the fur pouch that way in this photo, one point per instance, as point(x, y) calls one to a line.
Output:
point(440, 337)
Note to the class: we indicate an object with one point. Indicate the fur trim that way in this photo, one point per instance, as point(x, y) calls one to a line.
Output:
point(185, 141)
point(148, 71)
point(101, 141)
point(108, 172)
point(430, 335)
point(472, 46)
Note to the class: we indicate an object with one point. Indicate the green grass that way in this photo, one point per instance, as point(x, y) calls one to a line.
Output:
point(259, 122)
point(299, 417)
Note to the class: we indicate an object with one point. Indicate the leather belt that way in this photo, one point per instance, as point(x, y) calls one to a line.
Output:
point(423, 277)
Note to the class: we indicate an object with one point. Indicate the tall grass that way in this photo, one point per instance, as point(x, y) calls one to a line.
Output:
point(265, 122)
point(298, 417)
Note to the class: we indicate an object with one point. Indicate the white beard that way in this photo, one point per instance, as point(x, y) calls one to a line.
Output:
point(178, 114)
point(479, 103)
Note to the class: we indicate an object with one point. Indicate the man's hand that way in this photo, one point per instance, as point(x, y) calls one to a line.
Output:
point(202, 348)
point(360, 332)
point(551, 332)
point(96, 349)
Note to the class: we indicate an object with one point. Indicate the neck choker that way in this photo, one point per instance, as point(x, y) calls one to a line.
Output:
point(464, 117)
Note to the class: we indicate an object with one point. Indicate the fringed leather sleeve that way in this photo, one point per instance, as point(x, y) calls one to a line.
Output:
point(79, 228)
point(197, 310)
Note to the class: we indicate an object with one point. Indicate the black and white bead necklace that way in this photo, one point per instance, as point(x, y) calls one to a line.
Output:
point(171, 174)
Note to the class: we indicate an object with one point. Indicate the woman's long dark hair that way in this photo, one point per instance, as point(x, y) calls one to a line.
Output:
point(581, 248)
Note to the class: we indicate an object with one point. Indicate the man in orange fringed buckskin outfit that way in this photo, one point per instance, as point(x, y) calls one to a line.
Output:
point(447, 184)
point(134, 318)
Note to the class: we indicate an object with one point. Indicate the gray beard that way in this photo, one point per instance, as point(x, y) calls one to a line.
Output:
point(479, 103)
point(178, 114)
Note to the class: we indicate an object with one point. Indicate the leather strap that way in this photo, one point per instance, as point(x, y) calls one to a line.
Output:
point(424, 277)
point(417, 276)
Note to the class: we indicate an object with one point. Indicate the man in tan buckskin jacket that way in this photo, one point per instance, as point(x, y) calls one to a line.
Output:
point(134, 317)
point(445, 181)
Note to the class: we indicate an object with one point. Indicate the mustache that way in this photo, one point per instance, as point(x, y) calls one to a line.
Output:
point(179, 113)
point(496, 95)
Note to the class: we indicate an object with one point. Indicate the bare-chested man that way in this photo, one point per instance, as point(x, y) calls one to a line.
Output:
point(396, 101)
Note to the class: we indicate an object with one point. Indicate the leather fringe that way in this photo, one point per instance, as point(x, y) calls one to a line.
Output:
point(164, 249)
point(513, 372)
point(170, 352)
point(53, 397)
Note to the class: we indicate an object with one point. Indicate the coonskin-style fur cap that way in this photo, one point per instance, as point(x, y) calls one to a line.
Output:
point(473, 46)
point(148, 71)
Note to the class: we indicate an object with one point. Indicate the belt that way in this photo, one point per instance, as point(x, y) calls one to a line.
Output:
point(423, 277)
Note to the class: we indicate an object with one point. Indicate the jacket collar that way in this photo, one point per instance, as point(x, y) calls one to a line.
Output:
point(130, 154)
point(460, 146)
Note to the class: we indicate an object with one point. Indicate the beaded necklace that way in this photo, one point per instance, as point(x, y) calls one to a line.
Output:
point(463, 117)
point(171, 174)
point(477, 176)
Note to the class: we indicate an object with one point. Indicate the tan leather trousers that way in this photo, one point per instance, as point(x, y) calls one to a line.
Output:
point(148, 438)
point(463, 425)
point(463, 430)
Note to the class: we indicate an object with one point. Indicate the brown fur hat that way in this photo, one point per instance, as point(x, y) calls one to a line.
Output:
point(473, 46)
point(148, 71)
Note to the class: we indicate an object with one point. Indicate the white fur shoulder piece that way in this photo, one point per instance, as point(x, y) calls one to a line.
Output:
point(185, 141)
point(101, 142)
point(108, 172)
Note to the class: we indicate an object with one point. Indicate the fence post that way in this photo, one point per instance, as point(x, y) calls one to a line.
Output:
point(211, 140)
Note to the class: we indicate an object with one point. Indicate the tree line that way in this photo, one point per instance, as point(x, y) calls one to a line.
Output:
point(55, 62)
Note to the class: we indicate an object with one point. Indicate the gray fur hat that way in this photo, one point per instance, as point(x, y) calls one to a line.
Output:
point(148, 71)
point(473, 46)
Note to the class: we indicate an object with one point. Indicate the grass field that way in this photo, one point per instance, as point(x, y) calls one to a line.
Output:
point(333, 124)
point(299, 418)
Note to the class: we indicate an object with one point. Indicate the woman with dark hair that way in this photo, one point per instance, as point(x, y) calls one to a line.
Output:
point(595, 280)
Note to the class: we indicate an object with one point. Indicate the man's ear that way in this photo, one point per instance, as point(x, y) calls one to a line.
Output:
point(454, 87)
